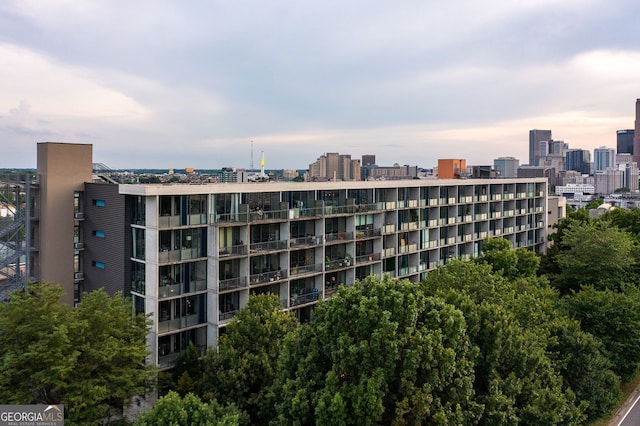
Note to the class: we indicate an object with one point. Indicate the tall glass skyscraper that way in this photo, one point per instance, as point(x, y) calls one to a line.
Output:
point(625, 141)
point(603, 158)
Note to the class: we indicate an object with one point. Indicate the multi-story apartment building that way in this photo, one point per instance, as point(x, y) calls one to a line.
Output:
point(190, 256)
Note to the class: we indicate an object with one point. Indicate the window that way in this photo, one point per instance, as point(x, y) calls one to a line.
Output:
point(99, 234)
point(99, 203)
point(98, 264)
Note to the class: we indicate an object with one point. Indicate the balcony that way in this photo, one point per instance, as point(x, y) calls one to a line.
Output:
point(176, 289)
point(388, 229)
point(367, 233)
point(268, 246)
point(178, 323)
point(232, 284)
point(305, 269)
point(409, 226)
point(308, 241)
point(267, 277)
point(388, 252)
point(237, 250)
point(337, 210)
point(225, 316)
point(166, 256)
point(306, 295)
point(333, 264)
point(338, 236)
point(365, 258)
point(409, 248)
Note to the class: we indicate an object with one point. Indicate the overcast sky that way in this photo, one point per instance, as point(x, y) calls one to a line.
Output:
point(191, 84)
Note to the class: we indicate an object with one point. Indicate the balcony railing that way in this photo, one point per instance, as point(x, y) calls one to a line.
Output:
point(170, 290)
point(224, 316)
point(305, 269)
point(409, 248)
point(338, 236)
point(268, 246)
point(177, 255)
point(367, 233)
point(371, 257)
point(179, 323)
point(232, 283)
point(237, 250)
point(337, 264)
point(307, 295)
point(305, 241)
point(267, 277)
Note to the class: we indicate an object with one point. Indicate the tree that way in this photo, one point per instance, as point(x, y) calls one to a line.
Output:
point(173, 410)
point(498, 253)
point(90, 358)
point(507, 322)
point(243, 368)
point(614, 318)
point(595, 253)
point(582, 360)
point(186, 370)
point(379, 352)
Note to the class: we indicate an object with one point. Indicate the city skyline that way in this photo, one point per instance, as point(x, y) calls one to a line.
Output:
point(160, 84)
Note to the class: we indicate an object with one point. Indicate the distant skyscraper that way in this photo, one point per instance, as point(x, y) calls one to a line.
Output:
point(636, 135)
point(603, 158)
point(624, 141)
point(578, 160)
point(535, 137)
point(368, 160)
point(507, 166)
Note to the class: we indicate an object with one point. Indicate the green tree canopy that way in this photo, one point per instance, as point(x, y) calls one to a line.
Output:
point(379, 352)
point(614, 318)
point(90, 358)
point(595, 253)
point(173, 410)
point(497, 253)
point(515, 379)
point(243, 368)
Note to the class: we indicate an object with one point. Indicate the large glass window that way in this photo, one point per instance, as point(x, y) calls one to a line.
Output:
point(226, 207)
point(138, 210)
point(138, 243)
point(138, 277)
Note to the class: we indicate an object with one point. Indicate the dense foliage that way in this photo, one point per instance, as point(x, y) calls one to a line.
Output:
point(90, 358)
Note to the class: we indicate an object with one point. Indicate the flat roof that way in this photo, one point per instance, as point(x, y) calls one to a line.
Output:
point(150, 189)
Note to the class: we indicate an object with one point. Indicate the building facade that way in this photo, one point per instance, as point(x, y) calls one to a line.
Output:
point(200, 252)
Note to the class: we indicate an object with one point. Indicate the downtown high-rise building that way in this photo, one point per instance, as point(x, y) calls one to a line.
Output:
point(636, 135)
point(535, 137)
point(506, 166)
point(624, 141)
point(603, 158)
point(578, 160)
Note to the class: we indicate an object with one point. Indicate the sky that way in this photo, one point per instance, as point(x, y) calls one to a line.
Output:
point(216, 83)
